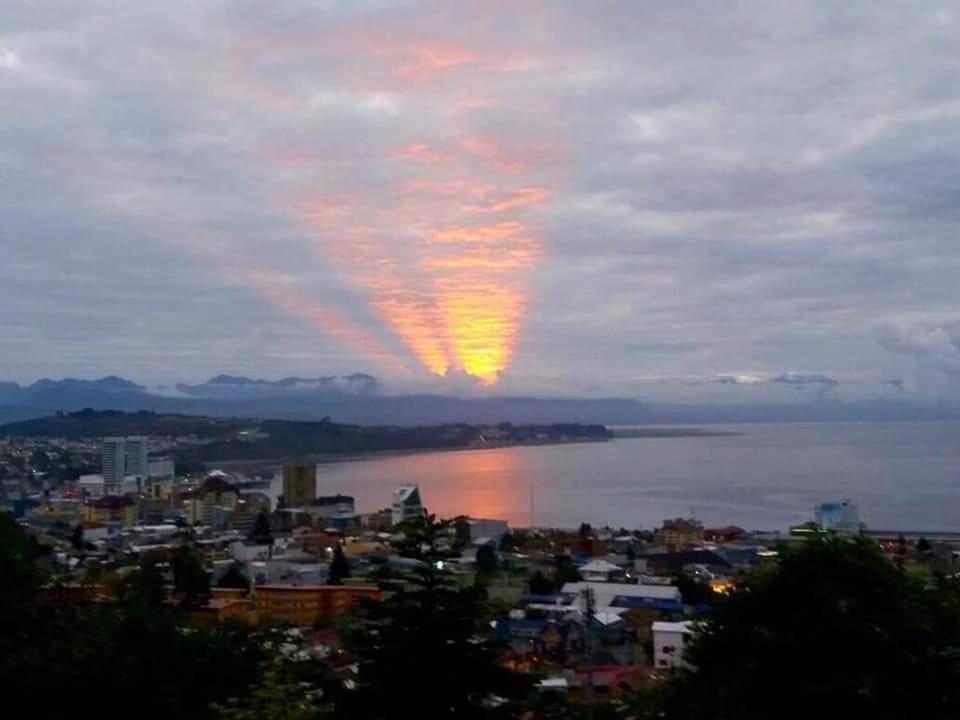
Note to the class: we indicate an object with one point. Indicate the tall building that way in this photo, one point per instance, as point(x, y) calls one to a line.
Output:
point(136, 456)
point(406, 504)
point(114, 465)
point(123, 457)
point(299, 485)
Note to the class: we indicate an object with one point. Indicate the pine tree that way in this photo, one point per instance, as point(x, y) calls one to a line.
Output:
point(339, 567)
point(190, 579)
point(76, 538)
point(234, 578)
point(430, 624)
point(261, 530)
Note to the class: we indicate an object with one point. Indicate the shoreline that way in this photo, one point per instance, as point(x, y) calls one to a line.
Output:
point(332, 459)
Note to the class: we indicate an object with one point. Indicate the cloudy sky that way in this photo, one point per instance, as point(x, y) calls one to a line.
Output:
point(691, 200)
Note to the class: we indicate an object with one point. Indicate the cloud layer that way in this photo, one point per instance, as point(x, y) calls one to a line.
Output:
point(545, 197)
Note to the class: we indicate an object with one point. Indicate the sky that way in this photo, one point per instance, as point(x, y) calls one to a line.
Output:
point(695, 201)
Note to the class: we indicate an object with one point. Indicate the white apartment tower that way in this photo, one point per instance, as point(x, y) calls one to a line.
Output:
point(114, 465)
point(136, 457)
point(123, 457)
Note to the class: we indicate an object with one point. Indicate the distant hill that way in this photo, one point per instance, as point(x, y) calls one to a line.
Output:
point(226, 439)
point(359, 399)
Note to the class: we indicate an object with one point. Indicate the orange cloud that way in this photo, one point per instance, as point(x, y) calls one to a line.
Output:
point(482, 321)
point(488, 149)
point(418, 151)
point(513, 199)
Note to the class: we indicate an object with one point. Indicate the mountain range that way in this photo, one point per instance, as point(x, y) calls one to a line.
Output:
point(360, 398)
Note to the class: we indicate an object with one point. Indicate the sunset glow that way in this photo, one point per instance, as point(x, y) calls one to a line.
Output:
point(442, 252)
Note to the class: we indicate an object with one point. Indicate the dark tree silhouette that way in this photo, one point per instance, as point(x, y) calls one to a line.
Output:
point(190, 579)
point(339, 567)
point(76, 537)
point(430, 623)
point(692, 590)
point(143, 586)
point(833, 625)
point(566, 571)
point(486, 560)
point(234, 578)
point(540, 584)
point(261, 530)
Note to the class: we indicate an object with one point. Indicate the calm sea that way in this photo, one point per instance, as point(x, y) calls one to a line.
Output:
point(903, 475)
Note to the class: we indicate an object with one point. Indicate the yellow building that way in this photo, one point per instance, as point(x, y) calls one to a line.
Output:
point(302, 605)
point(299, 485)
point(680, 533)
point(111, 508)
point(215, 494)
point(217, 611)
point(160, 490)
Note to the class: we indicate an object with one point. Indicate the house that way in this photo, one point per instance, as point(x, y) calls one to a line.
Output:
point(624, 595)
point(302, 605)
point(601, 571)
point(406, 504)
point(670, 563)
point(111, 509)
point(485, 530)
point(726, 534)
point(669, 640)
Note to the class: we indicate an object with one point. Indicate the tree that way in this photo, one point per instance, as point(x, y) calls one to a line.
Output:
point(261, 530)
point(585, 531)
point(924, 546)
point(540, 584)
point(832, 624)
point(339, 567)
point(486, 560)
point(76, 538)
point(190, 579)
point(280, 695)
point(506, 543)
point(235, 578)
point(430, 623)
point(143, 586)
point(48, 653)
point(692, 590)
point(566, 571)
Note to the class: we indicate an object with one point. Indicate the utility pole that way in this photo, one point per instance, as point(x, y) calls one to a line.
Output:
point(588, 607)
point(531, 508)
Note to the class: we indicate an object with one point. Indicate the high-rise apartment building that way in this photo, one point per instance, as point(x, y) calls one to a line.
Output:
point(123, 457)
point(114, 465)
point(136, 453)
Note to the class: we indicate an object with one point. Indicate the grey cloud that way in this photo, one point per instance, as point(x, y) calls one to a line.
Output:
point(730, 189)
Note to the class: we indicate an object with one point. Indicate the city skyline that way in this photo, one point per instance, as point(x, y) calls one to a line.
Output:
point(737, 204)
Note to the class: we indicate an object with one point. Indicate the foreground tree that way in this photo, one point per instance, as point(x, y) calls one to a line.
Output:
point(131, 652)
point(423, 652)
point(832, 627)
point(76, 537)
point(190, 579)
point(339, 567)
point(234, 578)
point(486, 560)
point(262, 533)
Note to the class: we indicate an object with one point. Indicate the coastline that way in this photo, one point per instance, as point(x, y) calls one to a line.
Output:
point(332, 458)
